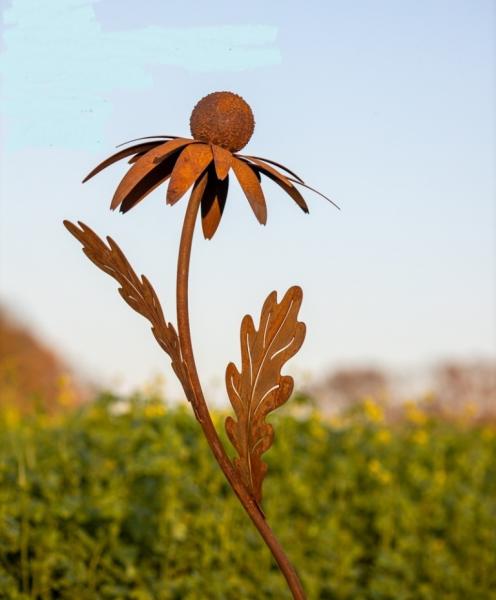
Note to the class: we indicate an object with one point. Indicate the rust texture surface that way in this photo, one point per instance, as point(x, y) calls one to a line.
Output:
point(259, 387)
point(222, 123)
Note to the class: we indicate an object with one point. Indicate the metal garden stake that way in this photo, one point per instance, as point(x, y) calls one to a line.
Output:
point(221, 125)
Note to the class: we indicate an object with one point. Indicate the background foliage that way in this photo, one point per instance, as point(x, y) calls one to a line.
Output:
point(123, 500)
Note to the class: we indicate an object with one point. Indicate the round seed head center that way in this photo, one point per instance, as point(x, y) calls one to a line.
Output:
point(224, 119)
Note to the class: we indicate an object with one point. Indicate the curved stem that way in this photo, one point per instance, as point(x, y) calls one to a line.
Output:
point(201, 409)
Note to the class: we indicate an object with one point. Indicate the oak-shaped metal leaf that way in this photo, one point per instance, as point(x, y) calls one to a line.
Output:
point(260, 387)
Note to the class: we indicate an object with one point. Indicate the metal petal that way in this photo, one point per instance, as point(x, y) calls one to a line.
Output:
point(135, 158)
point(213, 203)
point(282, 181)
point(316, 191)
point(149, 182)
point(191, 163)
point(139, 148)
point(273, 162)
point(251, 187)
point(222, 160)
point(144, 165)
point(150, 137)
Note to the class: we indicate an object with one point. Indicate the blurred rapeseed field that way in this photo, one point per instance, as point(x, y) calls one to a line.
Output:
point(124, 501)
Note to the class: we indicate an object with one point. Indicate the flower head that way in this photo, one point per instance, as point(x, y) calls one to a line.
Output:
point(223, 119)
point(221, 124)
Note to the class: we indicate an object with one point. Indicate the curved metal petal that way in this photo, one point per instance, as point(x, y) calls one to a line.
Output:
point(251, 187)
point(282, 181)
point(316, 191)
point(144, 165)
point(135, 158)
point(272, 162)
point(139, 148)
point(213, 203)
point(149, 182)
point(150, 137)
point(222, 160)
point(191, 163)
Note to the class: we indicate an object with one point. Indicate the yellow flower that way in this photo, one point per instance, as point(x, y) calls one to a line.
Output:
point(11, 416)
point(440, 478)
point(420, 437)
point(373, 411)
point(414, 414)
point(429, 398)
point(109, 465)
point(154, 410)
point(379, 472)
point(317, 429)
point(470, 410)
point(488, 433)
point(335, 421)
point(383, 436)
point(65, 392)
point(179, 531)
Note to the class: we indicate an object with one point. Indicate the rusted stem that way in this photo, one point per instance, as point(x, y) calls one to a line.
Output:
point(201, 409)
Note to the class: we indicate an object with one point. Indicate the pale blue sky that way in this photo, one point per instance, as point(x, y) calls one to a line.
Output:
point(386, 106)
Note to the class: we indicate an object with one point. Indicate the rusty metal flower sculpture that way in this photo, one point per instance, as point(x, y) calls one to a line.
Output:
point(221, 125)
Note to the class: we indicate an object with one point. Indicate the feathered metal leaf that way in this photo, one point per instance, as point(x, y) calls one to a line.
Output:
point(144, 165)
point(191, 163)
point(136, 292)
point(260, 388)
point(250, 185)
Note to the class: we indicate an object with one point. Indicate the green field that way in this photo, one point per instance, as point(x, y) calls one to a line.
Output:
point(96, 504)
